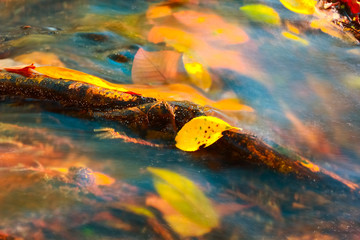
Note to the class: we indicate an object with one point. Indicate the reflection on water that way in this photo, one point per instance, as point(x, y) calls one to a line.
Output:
point(305, 94)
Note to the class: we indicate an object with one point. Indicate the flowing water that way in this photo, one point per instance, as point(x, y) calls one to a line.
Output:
point(305, 96)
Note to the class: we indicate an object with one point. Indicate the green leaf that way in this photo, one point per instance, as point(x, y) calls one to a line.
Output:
point(184, 196)
point(261, 13)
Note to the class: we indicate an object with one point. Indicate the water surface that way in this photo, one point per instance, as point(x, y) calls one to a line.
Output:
point(305, 96)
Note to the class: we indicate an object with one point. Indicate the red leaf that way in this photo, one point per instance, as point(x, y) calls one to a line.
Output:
point(25, 71)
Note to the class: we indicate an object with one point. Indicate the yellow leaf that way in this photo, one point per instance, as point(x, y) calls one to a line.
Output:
point(186, 198)
point(261, 13)
point(61, 170)
point(185, 227)
point(293, 37)
point(197, 72)
point(139, 210)
point(310, 165)
point(352, 81)
point(204, 130)
point(33, 40)
point(300, 6)
point(179, 223)
point(70, 74)
point(292, 28)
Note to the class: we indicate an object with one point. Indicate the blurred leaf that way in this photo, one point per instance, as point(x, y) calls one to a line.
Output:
point(230, 208)
point(333, 30)
point(261, 13)
point(155, 67)
point(292, 28)
point(129, 26)
point(183, 92)
point(110, 133)
point(197, 72)
point(310, 198)
point(41, 58)
point(313, 137)
point(158, 11)
point(300, 6)
point(211, 48)
point(314, 235)
point(26, 146)
point(232, 104)
point(212, 27)
point(186, 198)
point(354, 7)
point(178, 222)
point(293, 37)
point(185, 226)
point(139, 210)
point(204, 130)
point(352, 81)
point(33, 40)
point(196, 45)
point(177, 38)
point(102, 179)
point(262, 198)
point(8, 62)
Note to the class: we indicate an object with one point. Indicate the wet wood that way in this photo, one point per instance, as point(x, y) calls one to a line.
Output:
point(68, 93)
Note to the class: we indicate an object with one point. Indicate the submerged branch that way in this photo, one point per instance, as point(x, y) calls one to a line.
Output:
point(152, 119)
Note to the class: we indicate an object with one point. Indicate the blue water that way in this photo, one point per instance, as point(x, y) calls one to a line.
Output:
point(318, 83)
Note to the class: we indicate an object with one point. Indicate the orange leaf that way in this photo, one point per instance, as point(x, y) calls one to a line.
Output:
point(230, 208)
point(103, 179)
point(229, 104)
point(155, 67)
point(41, 58)
point(232, 60)
point(313, 137)
point(177, 38)
point(203, 47)
point(182, 92)
point(213, 26)
point(158, 12)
